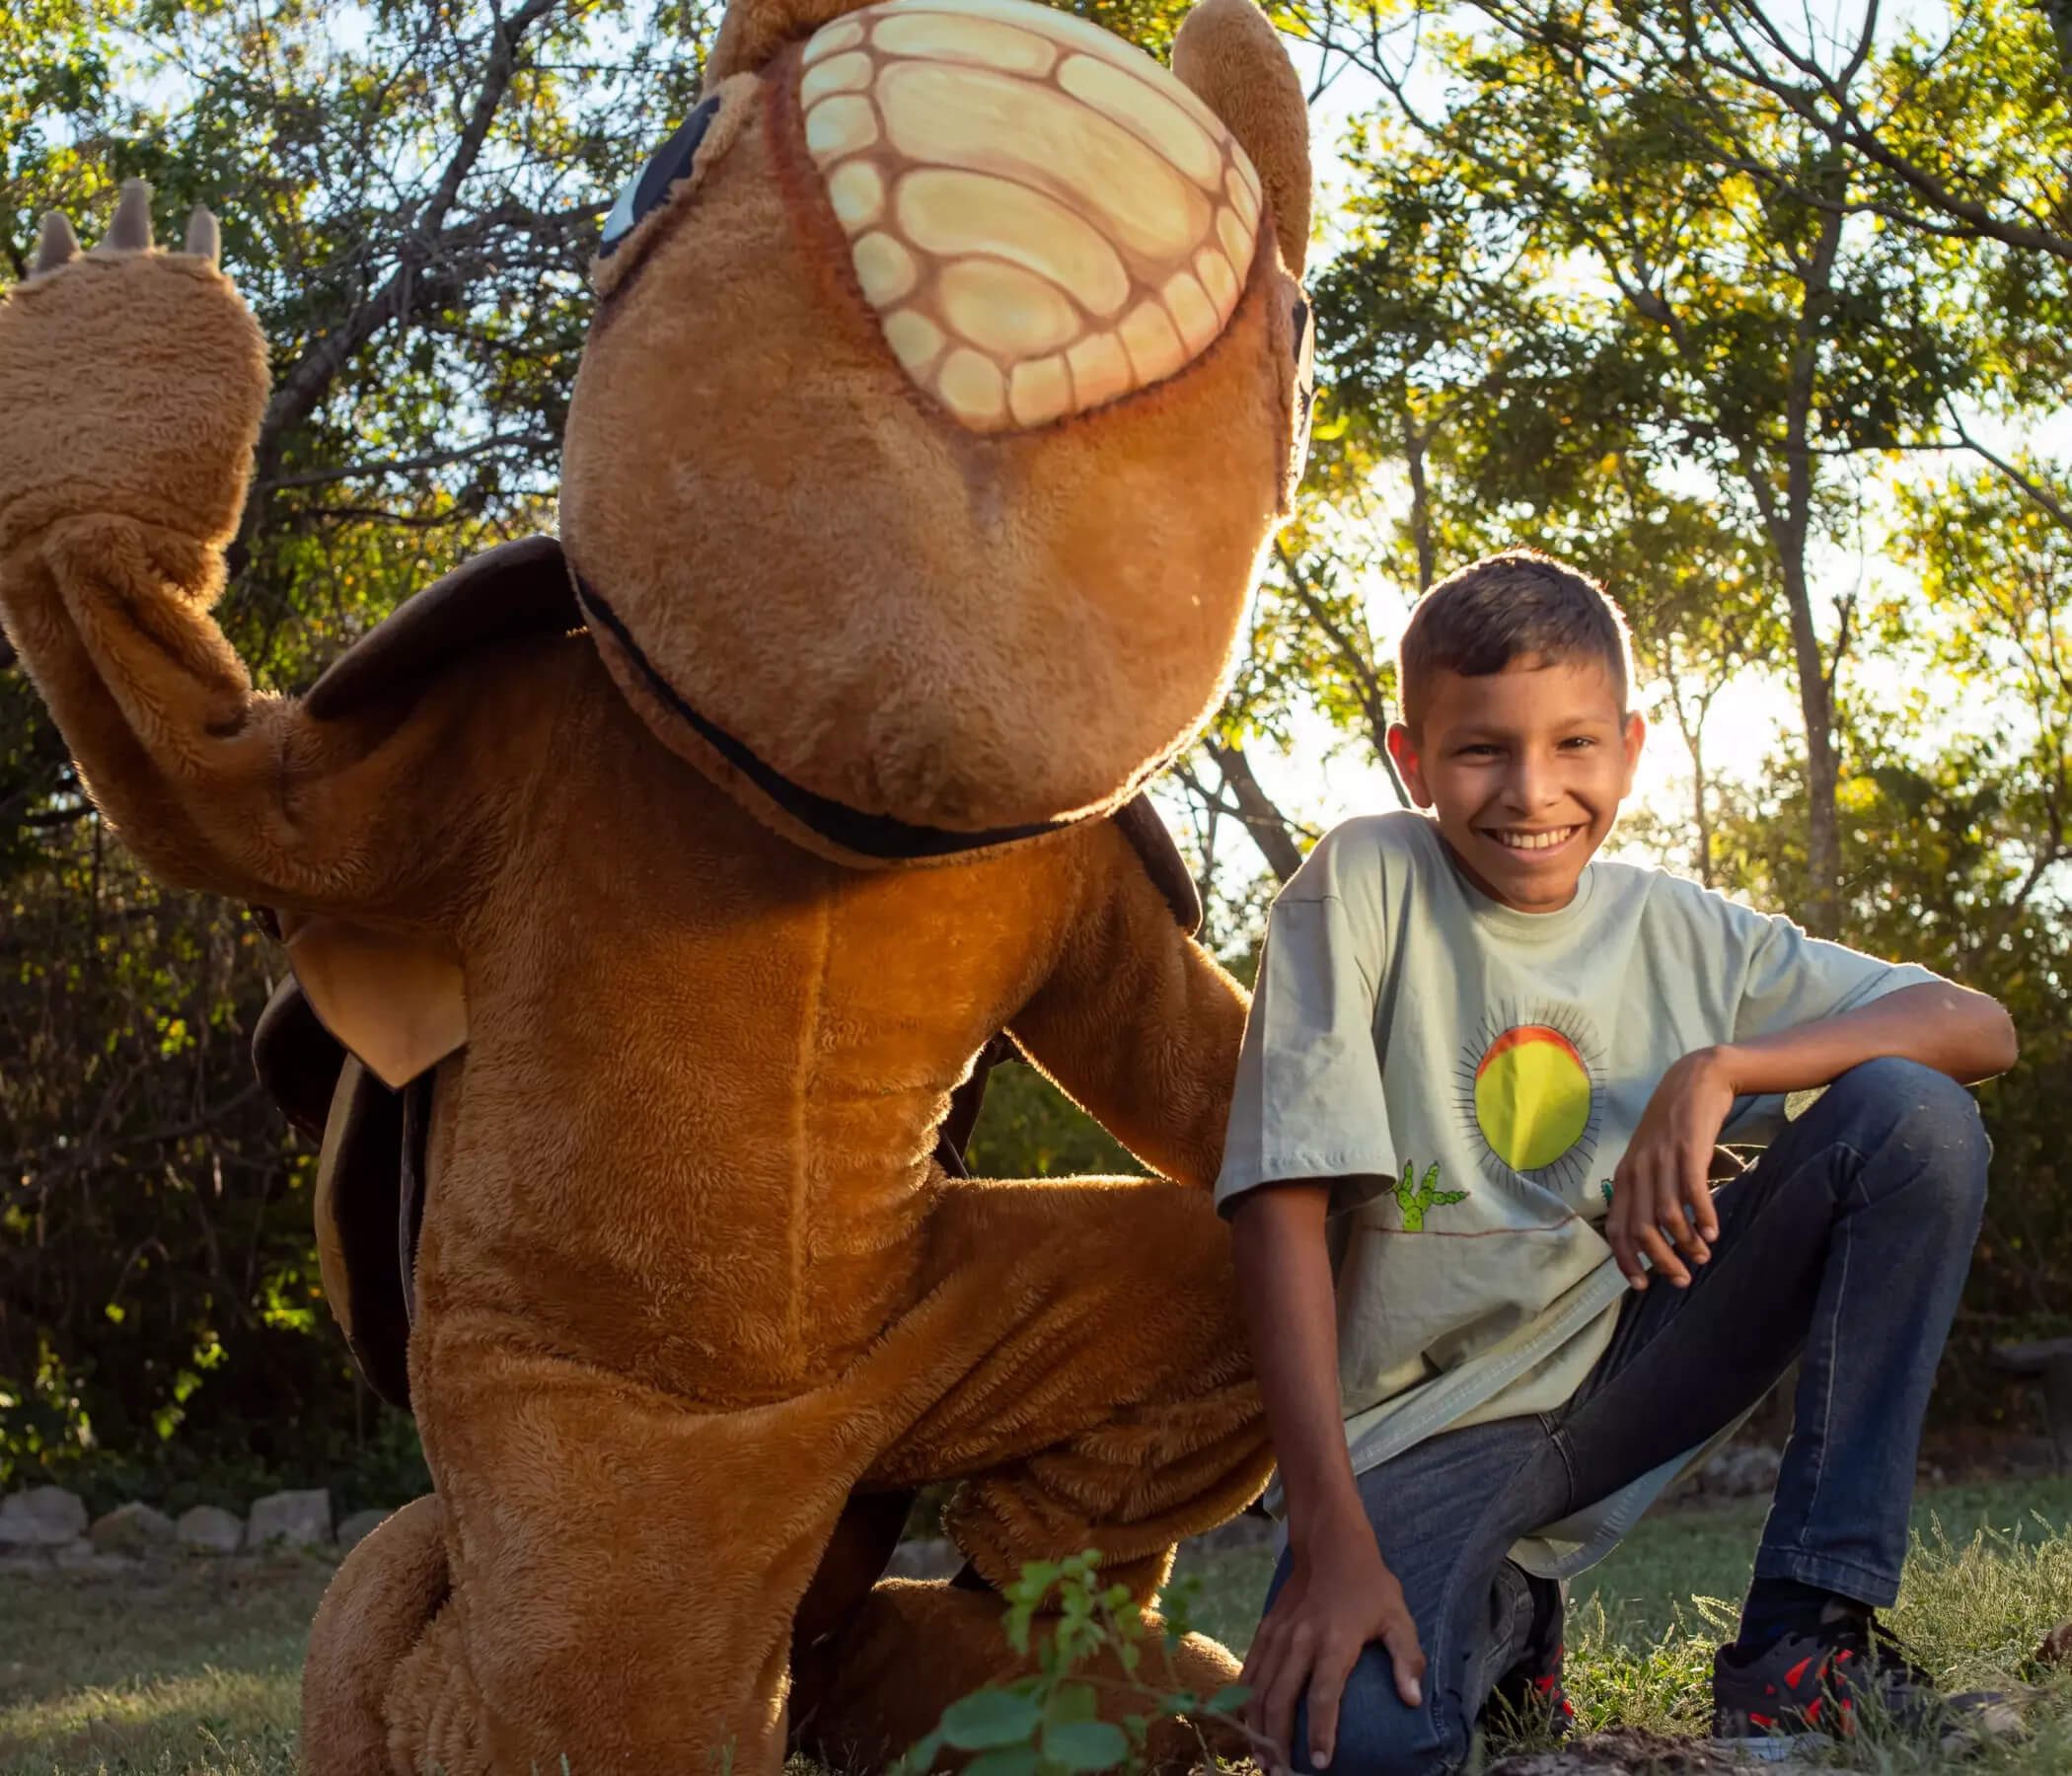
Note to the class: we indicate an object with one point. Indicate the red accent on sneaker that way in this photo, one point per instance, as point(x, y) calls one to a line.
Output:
point(1763, 1721)
point(1791, 1677)
point(1812, 1711)
point(1769, 1689)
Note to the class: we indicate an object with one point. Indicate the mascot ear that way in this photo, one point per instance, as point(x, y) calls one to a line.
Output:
point(753, 31)
point(1235, 64)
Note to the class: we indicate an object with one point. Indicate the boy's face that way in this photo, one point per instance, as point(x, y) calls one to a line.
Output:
point(1525, 770)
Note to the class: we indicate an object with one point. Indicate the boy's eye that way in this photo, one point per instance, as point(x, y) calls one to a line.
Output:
point(1577, 742)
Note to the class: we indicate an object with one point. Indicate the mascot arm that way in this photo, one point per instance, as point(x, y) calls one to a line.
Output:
point(135, 382)
point(1135, 1021)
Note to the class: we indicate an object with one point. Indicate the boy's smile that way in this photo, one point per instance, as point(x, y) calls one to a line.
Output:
point(1524, 769)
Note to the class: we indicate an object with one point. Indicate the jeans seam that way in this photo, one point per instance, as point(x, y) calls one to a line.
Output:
point(1857, 1187)
point(1557, 1436)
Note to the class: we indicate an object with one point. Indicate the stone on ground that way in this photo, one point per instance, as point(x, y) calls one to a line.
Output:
point(1628, 1751)
point(359, 1525)
point(210, 1529)
point(43, 1517)
point(296, 1520)
point(82, 1556)
point(132, 1530)
point(925, 1558)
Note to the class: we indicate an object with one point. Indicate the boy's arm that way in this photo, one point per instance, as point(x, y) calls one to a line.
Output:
point(1135, 1021)
point(1339, 1596)
point(1951, 1028)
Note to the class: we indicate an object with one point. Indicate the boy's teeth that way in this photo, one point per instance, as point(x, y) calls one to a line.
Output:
point(1536, 841)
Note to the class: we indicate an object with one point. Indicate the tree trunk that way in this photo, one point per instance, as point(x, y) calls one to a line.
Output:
point(1266, 823)
point(1701, 809)
point(1823, 850)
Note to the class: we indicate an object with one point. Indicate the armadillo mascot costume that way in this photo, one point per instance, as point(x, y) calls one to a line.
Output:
point(653, 891)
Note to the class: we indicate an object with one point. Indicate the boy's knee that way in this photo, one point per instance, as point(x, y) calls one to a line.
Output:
point(1927, 1117)
point(1378, 1735)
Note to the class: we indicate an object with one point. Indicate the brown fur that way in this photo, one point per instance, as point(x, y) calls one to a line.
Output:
point(691, 1279)
point(1228, 53)
point(1087, 580)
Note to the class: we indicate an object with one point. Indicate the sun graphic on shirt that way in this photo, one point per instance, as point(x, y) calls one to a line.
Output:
point(1531, 1092)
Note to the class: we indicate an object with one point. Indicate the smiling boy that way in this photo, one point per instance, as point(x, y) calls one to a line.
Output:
point(1479, 1099)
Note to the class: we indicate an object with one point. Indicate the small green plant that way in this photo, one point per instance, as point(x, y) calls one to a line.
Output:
point(1414, 1200)
point(1048, 1723)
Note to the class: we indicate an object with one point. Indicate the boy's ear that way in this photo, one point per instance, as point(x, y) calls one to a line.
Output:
point(1403, 749)
point(1635, 737)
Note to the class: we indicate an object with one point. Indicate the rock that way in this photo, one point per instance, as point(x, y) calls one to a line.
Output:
point(1629, 1751)
point(211, 1531)
point(45, 1516)
point(82, 1556)
point(2056, 1649)
point(131, 1530)
point(936, 1558)
point(359, 1525)
point(27, 1560)
point(297, 1520)
point(1741, 1471)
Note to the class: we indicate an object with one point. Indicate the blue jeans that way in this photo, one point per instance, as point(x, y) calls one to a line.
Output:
point(1846, 1245)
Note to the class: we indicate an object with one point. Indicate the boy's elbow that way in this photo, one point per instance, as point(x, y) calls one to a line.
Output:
point(1997, 1044)
point(2006, 1044)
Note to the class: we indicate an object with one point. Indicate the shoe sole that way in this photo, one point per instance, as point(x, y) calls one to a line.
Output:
point(1774, 1747)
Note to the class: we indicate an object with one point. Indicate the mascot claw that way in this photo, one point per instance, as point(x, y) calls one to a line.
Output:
point(129, 232)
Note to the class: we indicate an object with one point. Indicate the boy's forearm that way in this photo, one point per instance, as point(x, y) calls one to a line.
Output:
point(1951, 1029)
point(1284, 1279)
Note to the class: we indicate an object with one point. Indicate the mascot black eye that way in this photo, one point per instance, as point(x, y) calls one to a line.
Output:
point(648, 187)
point(1306, 382)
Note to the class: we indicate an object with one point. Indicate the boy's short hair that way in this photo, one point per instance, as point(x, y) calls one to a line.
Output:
point(1516, 605)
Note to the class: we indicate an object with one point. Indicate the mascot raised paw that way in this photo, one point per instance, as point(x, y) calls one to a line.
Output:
point(653, 892)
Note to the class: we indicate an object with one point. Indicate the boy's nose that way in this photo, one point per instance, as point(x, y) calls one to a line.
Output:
point(1531, 784)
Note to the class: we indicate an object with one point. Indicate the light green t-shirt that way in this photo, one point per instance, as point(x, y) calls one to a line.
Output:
point(1470, 1076)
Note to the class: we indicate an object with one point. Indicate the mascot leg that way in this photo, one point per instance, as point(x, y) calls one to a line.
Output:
point(374, 1612)
point(626, 1569)
point(1087, 1381)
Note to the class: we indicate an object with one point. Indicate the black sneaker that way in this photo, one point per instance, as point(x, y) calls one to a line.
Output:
point(1808, 1688)
point(1529, 1698)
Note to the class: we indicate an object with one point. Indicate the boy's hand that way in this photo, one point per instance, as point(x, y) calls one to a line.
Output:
point(1339, 1598)
point(1662, 1183)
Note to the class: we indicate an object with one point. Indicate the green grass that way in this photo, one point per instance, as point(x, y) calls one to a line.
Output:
point(194, 1668)
point(1991, 1572)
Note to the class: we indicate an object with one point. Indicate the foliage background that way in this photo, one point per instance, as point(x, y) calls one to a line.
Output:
point(1759, 315)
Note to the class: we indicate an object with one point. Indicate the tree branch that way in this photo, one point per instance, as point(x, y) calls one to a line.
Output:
point(1268, 826)
point(437, 458)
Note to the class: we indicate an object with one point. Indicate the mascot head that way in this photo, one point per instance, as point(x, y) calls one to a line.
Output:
point(949, 373)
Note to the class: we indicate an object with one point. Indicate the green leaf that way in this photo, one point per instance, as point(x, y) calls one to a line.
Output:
point(1008, 1761)
point(1086, 1745)
point(1070, 1702)
point(988, 1718)
point(1229, 1699)
point(920, 1756)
